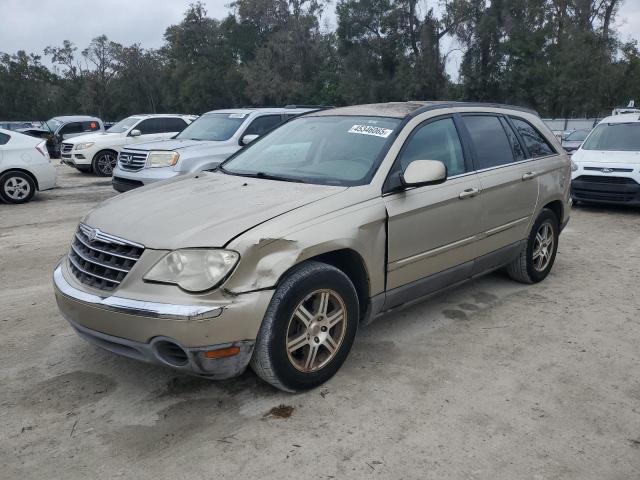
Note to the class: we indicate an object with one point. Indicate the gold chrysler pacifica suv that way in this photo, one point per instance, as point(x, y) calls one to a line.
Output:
point(332, 219)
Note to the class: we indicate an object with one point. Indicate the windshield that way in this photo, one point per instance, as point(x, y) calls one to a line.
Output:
point(623, 137)
point(124, 125)
point(329, 150)
point(577, 136)
point(213, 126)
point(53, 124)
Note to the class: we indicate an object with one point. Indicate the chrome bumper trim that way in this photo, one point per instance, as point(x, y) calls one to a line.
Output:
point(134, 307)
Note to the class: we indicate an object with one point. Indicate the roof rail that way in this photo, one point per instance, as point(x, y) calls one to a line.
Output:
point(309, 106)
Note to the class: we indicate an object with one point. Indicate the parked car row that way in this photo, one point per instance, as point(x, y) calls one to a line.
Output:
point(25, 167)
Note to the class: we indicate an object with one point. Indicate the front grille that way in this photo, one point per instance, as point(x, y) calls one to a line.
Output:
point(101, 260)
point(606, 179)
point(132, 161)
point(599, 169)
point(66, 147)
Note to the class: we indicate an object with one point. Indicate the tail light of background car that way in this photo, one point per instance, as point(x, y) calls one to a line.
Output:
point(42, 148)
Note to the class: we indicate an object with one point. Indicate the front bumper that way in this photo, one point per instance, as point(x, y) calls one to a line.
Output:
point(124, 180)
point(74, 159)
point(174, 335)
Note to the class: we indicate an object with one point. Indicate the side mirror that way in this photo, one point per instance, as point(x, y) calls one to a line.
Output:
point(135, 133)
point(424, 172)
point(247, 139)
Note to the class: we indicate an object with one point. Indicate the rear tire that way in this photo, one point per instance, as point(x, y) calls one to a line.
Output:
point(535, 261)
point(308, 329)
point(16, 187)
point(104, 162)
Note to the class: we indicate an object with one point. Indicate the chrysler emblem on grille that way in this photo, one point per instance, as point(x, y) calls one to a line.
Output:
point(606, 170)
point(92, 234)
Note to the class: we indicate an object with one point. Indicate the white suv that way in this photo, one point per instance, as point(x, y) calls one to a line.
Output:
point(203, 145)
point(607, 164)
point(99, 152)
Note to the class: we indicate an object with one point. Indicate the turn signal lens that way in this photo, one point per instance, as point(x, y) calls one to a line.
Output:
point(222, 353)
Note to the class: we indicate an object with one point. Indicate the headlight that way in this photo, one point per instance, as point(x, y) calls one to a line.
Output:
point(194, 270)
point(83, 146)
point(574, 166)
point(162, 159)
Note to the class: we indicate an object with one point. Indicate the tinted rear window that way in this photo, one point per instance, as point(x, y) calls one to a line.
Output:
point(535, 142)
point(489, 140)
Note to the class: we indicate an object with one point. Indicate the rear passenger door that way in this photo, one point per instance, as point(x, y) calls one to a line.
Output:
point(509, 186)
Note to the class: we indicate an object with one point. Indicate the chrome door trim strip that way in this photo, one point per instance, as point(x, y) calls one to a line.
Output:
point(430, 253)
point(504, 227)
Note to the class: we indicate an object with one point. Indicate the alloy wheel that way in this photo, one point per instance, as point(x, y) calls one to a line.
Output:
point(543, 247)
point(106, 163)
point(316, 330)
point(16, 188)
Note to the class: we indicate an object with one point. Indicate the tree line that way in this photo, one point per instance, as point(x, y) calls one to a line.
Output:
point(560, 57)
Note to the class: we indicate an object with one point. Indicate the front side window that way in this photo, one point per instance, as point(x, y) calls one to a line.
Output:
point(124, 125)
point(151, 125)
point(489, 140)
point(69, 128)
point(435, 141)
point(173, 124)
point(622, 137)
point(213, 126)
point(263, 124)
point(535, 142)
point(327, 150)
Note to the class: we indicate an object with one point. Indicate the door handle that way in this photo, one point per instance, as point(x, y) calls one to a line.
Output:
point(468, 193)
point(529, 176)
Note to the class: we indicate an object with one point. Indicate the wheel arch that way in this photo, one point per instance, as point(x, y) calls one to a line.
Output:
point(22, 170)
point(557, 208)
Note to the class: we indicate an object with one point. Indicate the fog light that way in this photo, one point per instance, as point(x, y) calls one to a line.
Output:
point(222, 353)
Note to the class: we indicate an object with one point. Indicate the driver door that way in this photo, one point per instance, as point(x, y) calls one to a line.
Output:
point(432, 229)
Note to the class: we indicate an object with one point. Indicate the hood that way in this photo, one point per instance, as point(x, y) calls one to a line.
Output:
point(206, 209)
point(174, 145)
point(600, 157)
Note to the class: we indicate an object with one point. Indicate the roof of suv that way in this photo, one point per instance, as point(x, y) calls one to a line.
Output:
point(621, 118)
point(75, 118)
point(248, 110)
point(405, 109)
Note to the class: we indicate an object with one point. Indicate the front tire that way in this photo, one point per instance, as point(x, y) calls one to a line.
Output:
point(16, 187)
point(308, 329)
point(104, 162)
point(536, 260)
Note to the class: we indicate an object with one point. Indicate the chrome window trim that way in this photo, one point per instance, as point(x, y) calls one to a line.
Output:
point(134, 307)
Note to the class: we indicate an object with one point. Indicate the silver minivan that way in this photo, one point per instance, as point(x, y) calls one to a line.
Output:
point(337, 217)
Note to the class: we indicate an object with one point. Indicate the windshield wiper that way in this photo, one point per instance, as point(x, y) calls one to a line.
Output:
point(265, 176)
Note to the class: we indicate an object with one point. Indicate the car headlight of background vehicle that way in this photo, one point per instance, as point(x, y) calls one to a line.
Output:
point(574, 166)
point(162, 159)
point(194, 269)
point(83, 146)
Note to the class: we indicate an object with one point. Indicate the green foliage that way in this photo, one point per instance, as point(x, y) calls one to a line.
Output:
point(561, 57)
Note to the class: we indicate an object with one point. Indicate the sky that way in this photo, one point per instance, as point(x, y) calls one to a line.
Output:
point(32, 25)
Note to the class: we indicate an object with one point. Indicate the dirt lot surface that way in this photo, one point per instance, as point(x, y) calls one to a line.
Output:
point(494, 380)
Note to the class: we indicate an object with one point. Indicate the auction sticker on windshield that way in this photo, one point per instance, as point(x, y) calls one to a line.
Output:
point(369, 130)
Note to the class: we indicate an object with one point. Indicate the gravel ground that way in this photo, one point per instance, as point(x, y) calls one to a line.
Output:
point(493, 380)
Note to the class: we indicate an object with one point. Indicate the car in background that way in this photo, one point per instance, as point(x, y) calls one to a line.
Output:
point(203, 145)
point(98, 153)
point(15, 125)
point(275, 258)
point(607, 165)
point(57, 129)
point(25, 167)
point(572, 140)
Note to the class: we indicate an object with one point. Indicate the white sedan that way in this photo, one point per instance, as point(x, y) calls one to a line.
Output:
point(25, 167)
